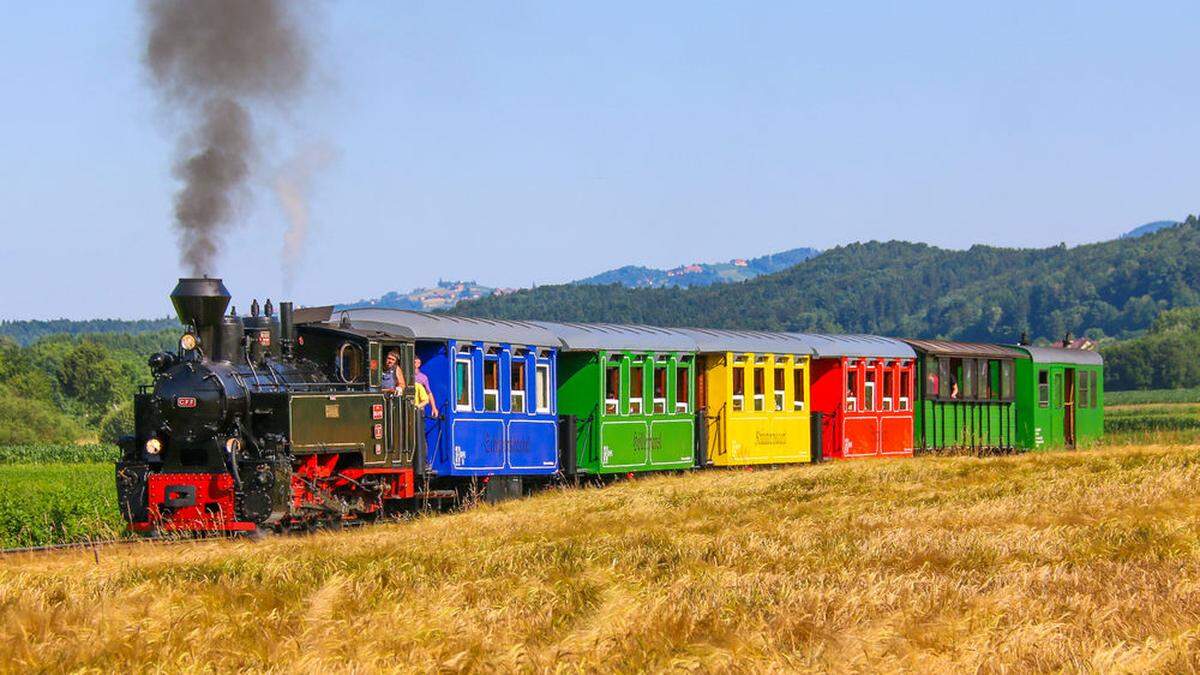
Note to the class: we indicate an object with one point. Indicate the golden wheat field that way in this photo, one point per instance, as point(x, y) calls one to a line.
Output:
point(1076, 561)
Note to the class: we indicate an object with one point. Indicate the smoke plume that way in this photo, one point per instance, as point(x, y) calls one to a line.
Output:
point(293, 184)
point(216, 62)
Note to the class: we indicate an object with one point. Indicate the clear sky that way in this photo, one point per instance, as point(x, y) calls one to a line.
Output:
point(514, 143)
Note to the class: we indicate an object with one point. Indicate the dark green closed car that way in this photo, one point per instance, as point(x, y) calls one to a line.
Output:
point(1060, 397)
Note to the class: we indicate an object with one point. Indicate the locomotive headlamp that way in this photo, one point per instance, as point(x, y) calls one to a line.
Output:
point(153, 446)
point(233, 445)
point(188, 342)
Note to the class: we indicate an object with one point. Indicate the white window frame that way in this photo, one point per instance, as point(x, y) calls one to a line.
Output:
point(541, 376)
point(612, 406)
point(470, 382)
point(495, 393)
point(778, 393)
point(760, 394)
point(636, 406)
point(869, 385)
point(803, 370)
point(739, 400)
point(660, 403)
point(685, 406)
point(513, 394)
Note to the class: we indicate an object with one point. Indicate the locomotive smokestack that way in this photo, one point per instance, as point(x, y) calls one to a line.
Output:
point(287, 326)
point(201, 303)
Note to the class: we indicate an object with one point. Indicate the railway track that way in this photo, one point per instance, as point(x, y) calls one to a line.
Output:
point(97, 545)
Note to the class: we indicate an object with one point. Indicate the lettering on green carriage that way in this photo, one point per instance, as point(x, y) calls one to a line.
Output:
point(770, 437)
point(644, 442)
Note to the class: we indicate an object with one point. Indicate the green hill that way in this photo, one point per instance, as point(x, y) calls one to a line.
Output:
point(1112, 288)
point(701, 274)
point(27, 332)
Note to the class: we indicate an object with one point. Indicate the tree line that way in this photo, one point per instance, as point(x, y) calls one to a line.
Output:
point(985, 293)
point(63, 388)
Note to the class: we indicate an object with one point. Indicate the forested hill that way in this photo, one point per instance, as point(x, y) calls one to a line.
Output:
point(900, 288)
point(26, 332)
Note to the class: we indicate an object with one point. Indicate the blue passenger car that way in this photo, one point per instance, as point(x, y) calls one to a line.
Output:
point(493, 383)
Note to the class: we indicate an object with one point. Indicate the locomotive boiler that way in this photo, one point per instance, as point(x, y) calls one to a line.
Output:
point(254, 422)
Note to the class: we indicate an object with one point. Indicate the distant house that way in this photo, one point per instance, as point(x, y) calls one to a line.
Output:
point(739, 262)
point(1083, 343)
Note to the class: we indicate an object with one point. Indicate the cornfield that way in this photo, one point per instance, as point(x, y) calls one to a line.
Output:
point(1084, 560)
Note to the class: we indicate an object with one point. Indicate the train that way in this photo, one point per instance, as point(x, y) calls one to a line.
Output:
point(276, 421)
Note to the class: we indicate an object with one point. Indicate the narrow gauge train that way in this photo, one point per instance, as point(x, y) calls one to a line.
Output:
point(281, 422)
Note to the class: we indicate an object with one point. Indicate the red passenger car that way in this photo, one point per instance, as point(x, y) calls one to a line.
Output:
point(863, 387)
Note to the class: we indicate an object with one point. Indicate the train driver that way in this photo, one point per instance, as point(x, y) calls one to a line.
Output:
point(392, 379)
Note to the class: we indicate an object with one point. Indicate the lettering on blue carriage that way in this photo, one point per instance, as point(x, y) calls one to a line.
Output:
point(497, 444)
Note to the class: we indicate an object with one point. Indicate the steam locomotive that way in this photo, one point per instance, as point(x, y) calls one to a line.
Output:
point(255, 424)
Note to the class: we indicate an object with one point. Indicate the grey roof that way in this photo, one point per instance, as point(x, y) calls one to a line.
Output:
point(596, 336)
point(1080, 357)
point(723, 340)
point(425, 326)
point(865, 346)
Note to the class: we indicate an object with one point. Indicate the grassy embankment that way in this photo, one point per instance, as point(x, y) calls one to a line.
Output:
point(57, 493)
point(1043, 561)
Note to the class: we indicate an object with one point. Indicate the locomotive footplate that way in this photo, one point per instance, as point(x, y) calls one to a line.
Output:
point(192, 502)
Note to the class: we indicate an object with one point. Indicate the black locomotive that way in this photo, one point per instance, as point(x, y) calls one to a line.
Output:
point(253, 424)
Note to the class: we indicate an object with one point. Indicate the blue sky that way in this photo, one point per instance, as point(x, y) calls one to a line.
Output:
point(543, 142)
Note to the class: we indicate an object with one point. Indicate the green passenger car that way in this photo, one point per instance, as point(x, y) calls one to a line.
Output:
point(631, 393)
point(1060, 397)
point(966, 397)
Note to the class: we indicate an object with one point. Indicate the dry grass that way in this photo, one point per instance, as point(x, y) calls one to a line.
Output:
point(1075, 561)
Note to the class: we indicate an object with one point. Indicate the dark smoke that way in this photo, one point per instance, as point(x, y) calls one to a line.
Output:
point(214, 60)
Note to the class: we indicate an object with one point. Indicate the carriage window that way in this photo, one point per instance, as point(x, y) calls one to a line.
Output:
point(868, 402)
point(462, 384)
point(967, 381)
point(1006, 380)
point(739, 387)
point(612, 388)
point(637, 387)
point(1043, 389)
point(1058, 390)
point(798, 388)
point(946, 388)
point(905, 387)
point(491, 385)
point(932, 380)
point(682, 391)
point(1095, 389)
point(660, 388)
point(780, 388)
point(852, 390)
point(985, 379)
point(542, 375)
point(760, 389)
point(516, 383)
point(889, 387)
point(350, 363)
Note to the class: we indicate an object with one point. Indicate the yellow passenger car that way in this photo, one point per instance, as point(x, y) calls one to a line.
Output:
point(753, 387)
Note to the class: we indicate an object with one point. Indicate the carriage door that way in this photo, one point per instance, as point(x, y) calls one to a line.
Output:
point(1069, 408)
point(401, 412)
